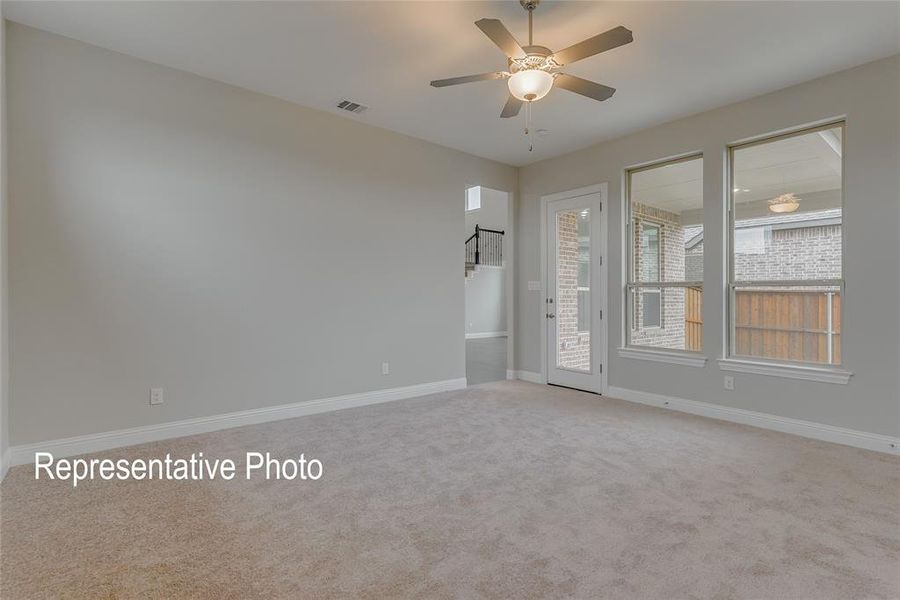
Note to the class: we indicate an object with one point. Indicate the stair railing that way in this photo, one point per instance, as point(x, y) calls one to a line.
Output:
point(485, 247)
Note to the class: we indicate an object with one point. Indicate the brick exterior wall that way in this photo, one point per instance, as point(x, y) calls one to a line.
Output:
point(693, 256)
point(693, 263)
point(670, 334)
point(801, 253)
point(574, 347)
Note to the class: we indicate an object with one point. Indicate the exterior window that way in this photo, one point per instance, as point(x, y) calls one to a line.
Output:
point(651, 308)
point(651, 315)
point(473, 198)
point(664, 291)
point(786, 252)
point(650, 252)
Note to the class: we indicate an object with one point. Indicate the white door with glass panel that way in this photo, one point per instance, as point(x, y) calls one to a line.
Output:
point(573, 278)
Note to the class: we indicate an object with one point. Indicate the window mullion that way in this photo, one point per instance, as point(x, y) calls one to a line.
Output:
point(789, 283)
point(664, 284)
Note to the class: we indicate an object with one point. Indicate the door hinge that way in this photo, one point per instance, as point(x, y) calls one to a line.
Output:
point(601, 315)
point(600, 260)
point(601, 368)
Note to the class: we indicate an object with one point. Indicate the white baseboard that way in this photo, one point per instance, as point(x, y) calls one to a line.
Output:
point(807, 429)
point(85, 444)
point(486, 334)
point(529, 376)
point(4, 464)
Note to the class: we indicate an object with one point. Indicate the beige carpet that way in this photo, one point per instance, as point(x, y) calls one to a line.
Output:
point(506, 490)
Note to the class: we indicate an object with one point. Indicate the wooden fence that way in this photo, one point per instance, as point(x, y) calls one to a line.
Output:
point(788, 325)
point(693, 319)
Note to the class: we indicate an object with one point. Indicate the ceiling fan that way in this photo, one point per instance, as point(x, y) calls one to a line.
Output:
point(533, 70)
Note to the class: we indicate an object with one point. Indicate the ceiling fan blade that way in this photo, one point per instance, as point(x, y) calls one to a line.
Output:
point(467, 79)
point(584, 87)
point(618, 36)
point(511, 108)
point(501, 36)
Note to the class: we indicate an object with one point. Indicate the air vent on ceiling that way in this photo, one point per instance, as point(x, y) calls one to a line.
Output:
point(350, 106)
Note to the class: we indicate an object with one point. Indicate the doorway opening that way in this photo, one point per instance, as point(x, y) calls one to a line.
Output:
point(487, 277)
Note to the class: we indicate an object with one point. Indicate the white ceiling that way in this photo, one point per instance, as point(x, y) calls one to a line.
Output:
point(687, 57)
point(803, 164)
point(675, 188)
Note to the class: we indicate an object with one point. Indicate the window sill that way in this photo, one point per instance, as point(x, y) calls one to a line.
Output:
point(673, 357)
point(820, 374)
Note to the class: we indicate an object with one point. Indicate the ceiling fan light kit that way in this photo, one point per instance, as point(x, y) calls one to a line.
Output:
point(534, 70)
point(785, 203)
point(530, 85)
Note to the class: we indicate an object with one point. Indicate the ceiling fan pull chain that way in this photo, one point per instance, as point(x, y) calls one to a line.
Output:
point(528, 135)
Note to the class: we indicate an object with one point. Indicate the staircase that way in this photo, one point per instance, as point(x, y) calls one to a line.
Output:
point(484, 247)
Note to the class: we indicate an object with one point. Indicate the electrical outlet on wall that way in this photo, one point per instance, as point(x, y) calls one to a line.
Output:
point(385, 368)
point(729, 383)
point(156, 396)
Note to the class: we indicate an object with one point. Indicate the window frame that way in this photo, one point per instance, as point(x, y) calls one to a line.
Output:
point(632, 287)
point(767, 365)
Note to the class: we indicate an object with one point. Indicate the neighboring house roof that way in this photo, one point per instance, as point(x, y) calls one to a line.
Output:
point(820, 218)
point(692, 236)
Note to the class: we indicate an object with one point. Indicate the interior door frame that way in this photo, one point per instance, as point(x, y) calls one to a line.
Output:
point(599, 280)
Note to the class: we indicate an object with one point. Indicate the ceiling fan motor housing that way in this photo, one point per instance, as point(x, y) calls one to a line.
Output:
point(541, 51)
point(537, 57)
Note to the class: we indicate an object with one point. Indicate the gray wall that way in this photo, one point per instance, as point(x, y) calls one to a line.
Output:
point(869, 96)
point(240, 251)
point(492, 214)
point(486, 300)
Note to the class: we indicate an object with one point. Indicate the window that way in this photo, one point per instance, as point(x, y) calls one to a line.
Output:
point(786, 251)
point(650, 298)
point(651, 308)
point(473, 198)
point(650, 252)
point(664, 292)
